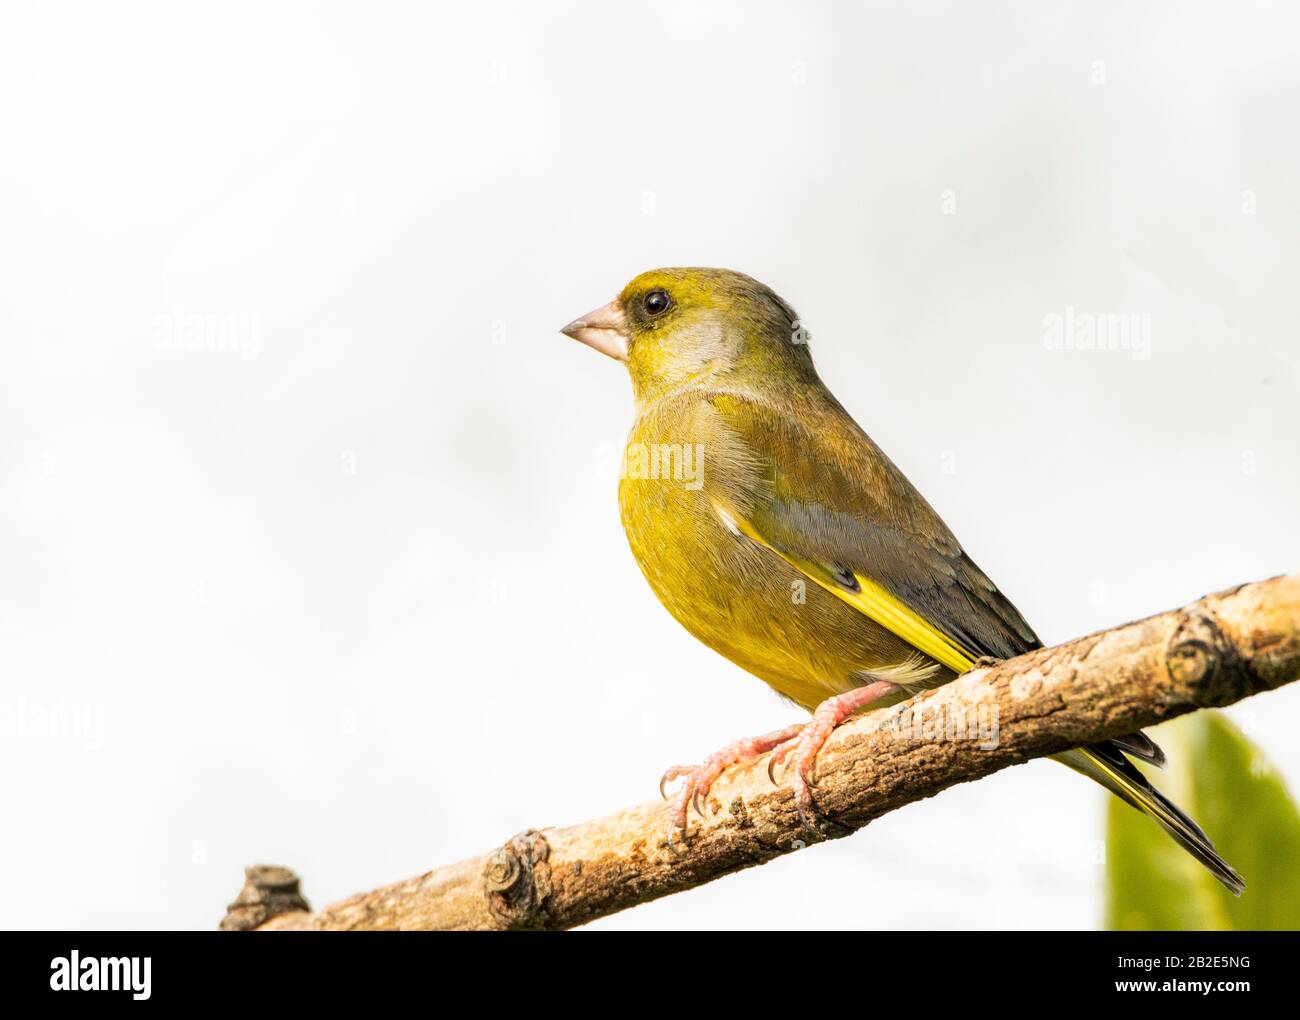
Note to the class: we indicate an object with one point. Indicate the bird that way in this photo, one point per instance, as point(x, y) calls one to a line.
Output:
point(774, 530)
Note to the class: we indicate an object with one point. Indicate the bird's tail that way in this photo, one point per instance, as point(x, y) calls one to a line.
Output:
point(1106, 764)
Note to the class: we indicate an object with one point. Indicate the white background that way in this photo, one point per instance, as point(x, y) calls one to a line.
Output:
point(353, 596)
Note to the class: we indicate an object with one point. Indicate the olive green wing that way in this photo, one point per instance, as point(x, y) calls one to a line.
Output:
point(836, 508)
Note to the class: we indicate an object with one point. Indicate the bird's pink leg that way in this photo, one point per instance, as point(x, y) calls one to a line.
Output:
point(699, 778)
point(829, 714)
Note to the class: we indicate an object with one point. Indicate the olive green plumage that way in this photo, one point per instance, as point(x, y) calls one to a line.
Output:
point(800, 552)
point(720, 369)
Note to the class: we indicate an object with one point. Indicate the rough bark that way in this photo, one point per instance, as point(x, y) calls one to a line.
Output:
point(1214, 652)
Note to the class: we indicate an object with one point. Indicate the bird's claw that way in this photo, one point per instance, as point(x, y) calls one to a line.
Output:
point(676, 772)
point(692, 794)
point(804, 804)
point(828, 715)
point(777, 759)
point(700, 778)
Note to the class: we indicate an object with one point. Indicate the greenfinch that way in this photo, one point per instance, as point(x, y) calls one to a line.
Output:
point(775, 531)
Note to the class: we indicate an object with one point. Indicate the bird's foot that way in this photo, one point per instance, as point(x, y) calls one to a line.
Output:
point(829, 714)
point(699, 778)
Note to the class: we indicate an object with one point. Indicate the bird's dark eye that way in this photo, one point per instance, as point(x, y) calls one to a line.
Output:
point(657, 301)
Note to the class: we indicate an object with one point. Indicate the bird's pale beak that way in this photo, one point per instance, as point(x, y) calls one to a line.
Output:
point(605, 329)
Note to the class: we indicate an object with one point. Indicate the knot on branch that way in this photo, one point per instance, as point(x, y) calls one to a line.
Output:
point(1201, 658)
point(269, 890)
point(517, 881)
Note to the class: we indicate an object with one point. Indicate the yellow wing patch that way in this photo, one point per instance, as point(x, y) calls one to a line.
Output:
point(872, 600)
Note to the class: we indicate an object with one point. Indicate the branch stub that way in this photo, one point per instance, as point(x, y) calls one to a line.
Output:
point(517, 881)
point(269, 890)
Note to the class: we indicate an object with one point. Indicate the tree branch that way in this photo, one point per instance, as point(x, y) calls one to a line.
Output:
point(1216, 651)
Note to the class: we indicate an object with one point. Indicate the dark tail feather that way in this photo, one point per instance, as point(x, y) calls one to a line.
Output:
point(1141, 747)
point(1105, 764)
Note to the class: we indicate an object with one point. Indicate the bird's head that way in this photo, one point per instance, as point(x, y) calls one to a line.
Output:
point(676, 326)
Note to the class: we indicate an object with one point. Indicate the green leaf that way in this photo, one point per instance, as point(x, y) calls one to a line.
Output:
point(1227, 785)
